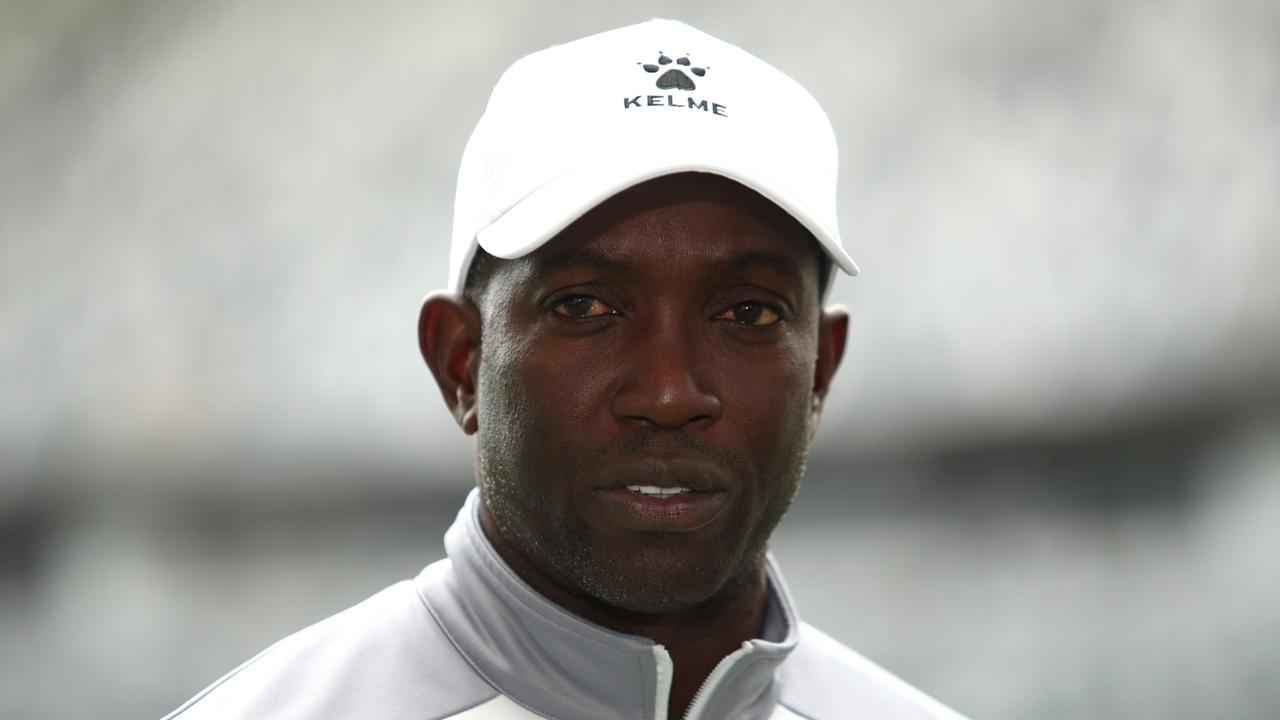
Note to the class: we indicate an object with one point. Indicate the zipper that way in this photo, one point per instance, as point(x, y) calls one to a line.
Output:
point(703, 696)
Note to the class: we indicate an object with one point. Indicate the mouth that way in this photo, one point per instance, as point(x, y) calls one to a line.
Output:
point(660, 492)
point(664, 497)
point(653, 476)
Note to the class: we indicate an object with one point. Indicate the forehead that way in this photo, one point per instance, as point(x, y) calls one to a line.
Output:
point(691, 222)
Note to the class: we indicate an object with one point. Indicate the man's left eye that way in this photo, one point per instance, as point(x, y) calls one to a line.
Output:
point(577, 307)
point(756, 314)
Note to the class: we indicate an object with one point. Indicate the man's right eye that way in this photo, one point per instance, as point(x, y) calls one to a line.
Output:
point(575, 307)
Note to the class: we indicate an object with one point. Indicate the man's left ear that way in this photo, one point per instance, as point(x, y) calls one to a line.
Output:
point(833, 328)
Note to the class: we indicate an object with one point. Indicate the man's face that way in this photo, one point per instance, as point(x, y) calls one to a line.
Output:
point(645, 393)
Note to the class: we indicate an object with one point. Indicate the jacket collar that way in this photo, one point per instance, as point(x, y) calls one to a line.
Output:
point(559, 665)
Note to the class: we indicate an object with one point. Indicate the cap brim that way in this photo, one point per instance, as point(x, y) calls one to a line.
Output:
point(554, 206)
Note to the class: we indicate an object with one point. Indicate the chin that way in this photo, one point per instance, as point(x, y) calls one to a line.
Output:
point(660, 581)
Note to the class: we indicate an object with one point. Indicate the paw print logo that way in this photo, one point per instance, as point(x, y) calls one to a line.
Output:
point(674, 77)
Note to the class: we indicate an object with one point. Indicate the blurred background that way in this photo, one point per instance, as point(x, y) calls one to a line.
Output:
point(1048, 482)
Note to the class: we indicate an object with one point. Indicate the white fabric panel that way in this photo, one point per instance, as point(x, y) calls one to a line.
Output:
point(499, 708)
point(782, 713)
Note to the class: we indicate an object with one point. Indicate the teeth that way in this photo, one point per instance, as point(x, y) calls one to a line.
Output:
point(654, 491)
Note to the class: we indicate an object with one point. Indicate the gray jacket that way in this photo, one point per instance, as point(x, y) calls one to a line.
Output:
point(468, 640)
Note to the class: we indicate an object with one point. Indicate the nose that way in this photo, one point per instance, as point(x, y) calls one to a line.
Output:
point(664, 380)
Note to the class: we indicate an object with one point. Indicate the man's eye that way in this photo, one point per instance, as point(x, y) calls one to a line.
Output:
point(581, 306)
point(752, 313)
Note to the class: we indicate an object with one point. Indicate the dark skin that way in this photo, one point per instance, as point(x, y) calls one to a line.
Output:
point(673, 336)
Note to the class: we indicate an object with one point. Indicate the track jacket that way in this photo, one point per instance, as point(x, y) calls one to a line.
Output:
point(468, 640)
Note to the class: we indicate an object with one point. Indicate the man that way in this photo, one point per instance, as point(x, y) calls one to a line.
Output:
point(644, 233)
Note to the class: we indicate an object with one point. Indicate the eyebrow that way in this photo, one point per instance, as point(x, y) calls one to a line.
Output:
point(781, 263)
point(579, 259)
point(741, 261)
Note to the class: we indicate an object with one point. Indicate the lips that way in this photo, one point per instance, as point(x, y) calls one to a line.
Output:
point(663, 496)
point(659, 492)
point(696, 475)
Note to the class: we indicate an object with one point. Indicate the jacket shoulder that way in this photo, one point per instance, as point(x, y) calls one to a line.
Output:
point(385, 657)
point(824, 679)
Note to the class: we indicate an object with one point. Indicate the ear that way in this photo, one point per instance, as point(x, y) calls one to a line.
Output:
point(449, 337)
point(833, 328)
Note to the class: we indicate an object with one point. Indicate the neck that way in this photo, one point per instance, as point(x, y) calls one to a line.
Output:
point(696, 638)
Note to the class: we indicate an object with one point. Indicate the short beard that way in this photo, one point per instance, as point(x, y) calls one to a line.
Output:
point(564, 551)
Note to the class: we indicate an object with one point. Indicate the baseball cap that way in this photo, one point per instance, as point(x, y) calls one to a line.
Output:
point(570, 126)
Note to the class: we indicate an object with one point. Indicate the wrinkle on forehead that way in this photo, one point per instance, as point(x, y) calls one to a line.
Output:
point(687, 224)
point(697, 215)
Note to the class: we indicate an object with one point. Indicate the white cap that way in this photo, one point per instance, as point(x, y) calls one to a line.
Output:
point(570, 126)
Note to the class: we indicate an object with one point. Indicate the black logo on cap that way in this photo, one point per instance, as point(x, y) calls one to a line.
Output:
point(674, 78)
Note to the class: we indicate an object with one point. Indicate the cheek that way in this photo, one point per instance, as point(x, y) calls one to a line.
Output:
point(539, 401)
point(769, 394)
